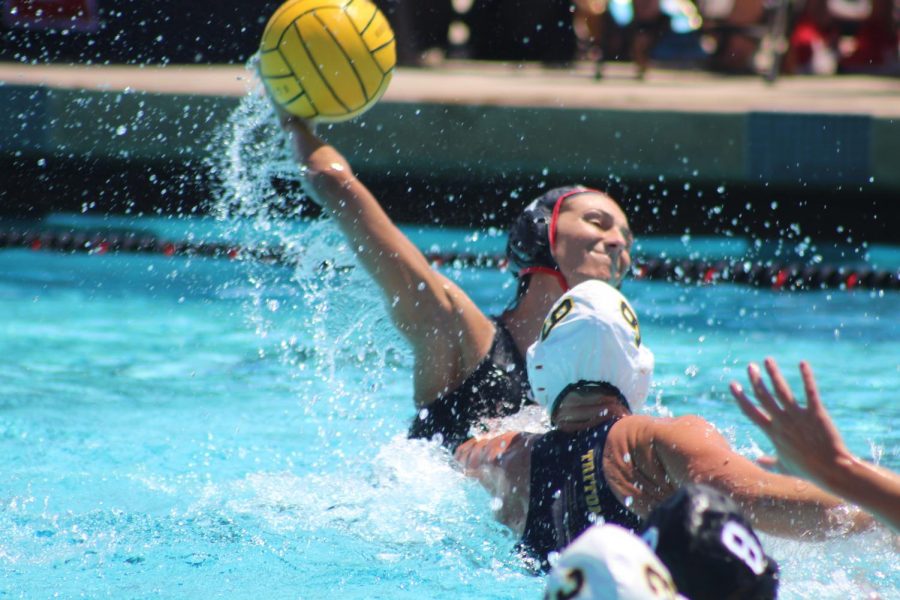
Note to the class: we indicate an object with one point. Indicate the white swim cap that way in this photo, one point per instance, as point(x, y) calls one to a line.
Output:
point(591, 336)
point(608, 562)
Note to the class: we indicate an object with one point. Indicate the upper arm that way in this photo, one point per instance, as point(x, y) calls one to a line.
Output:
point(691, 450)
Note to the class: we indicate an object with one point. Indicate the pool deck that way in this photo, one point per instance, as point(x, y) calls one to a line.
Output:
point(493, 84)
point(489, 122)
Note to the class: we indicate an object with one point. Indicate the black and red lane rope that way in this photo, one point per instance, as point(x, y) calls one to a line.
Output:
point(773, 275)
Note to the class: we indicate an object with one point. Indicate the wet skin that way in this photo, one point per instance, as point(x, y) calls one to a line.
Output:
point(593, 240)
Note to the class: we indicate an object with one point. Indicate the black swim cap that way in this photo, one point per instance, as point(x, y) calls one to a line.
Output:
point(528, 246)
point(710, 548)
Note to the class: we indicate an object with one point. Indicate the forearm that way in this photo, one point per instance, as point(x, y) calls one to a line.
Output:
point(691, 450)
point(875, 489)
point(502, 465)
point(794, 508)
point(383, 249)
point(374, 236)
point(419, 299)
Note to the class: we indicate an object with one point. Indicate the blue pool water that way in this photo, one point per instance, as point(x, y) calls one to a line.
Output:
point(175, 427)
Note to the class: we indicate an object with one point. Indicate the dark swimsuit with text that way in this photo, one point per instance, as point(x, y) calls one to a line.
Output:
point(569, 491)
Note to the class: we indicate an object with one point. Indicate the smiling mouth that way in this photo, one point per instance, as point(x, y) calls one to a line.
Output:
point(610, 260)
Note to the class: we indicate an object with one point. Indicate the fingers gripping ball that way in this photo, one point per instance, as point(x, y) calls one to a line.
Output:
point(327, 60)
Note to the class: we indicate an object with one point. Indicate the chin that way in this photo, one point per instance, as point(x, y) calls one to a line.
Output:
point(604, 275)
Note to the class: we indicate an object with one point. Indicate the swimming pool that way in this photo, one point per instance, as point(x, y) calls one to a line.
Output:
point(198, 427)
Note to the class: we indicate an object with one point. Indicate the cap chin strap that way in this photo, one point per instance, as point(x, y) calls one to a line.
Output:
point(555, 273)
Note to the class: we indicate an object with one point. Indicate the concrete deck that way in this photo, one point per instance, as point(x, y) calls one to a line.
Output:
point(486, 84)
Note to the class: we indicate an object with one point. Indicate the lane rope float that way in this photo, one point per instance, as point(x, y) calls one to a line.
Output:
point(773, 275)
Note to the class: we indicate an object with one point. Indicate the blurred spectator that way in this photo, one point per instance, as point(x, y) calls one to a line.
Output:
point(874, 47)
point(589, 27)
point(633, 29)
point(740, 36)
point(736, 28)
point(814, 41)
point(832, 36)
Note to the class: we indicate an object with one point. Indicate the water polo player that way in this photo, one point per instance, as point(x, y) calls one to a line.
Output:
point(710, 548)
point(697, 545)
point(591, 371)
point(468, 366)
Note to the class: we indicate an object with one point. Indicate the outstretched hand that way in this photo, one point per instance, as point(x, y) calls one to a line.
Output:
point(806, 441)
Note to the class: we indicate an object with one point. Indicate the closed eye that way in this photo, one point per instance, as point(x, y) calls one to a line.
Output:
point(604, 221)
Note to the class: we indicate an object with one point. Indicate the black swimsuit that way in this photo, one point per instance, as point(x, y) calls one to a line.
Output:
point(496, 388)
point(569, 491)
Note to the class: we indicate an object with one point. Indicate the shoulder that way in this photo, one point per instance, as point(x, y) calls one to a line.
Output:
point(663, 439)
point(689, 433)
point(675, 427)
point(644, 428)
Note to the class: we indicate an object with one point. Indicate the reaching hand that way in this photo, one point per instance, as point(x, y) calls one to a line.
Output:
point(805, 439)
point(808, 444)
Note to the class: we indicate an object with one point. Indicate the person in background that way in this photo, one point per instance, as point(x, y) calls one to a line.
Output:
point(735, 27)
point(808, 444)
point(591, 371)
point(468, 367)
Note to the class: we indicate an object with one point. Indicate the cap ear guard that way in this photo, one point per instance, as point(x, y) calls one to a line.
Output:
point(528, 244)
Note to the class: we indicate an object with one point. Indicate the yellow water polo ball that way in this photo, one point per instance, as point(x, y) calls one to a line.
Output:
point(327, 60)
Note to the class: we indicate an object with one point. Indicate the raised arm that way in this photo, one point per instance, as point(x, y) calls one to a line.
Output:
point(449, 334)
point(691, 450)
point(808, 444)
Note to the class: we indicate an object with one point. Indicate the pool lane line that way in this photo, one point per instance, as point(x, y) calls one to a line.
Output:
point(772, 275)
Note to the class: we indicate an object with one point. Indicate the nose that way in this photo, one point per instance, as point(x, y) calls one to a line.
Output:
point(614, 240)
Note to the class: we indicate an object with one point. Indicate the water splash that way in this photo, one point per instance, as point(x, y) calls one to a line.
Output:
point(310, 314)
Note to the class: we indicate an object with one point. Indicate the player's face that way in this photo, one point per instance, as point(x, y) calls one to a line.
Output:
point(593, 240)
